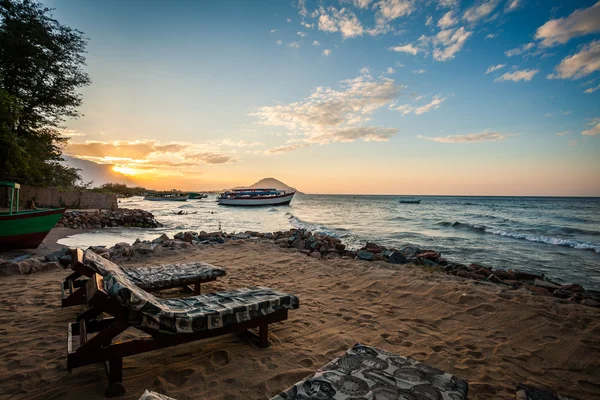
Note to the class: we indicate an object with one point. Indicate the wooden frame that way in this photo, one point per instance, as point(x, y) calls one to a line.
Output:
point(100, 347)
point(75, 288)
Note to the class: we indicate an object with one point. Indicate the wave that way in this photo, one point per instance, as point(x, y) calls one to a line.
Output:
point(576, 244)
point(315, 228)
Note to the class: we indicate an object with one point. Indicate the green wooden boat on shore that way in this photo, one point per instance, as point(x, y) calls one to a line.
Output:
point(24, 229)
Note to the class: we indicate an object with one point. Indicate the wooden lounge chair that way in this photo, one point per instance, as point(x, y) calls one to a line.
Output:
point(168, 322)
point(367, 372)
point(152, 278)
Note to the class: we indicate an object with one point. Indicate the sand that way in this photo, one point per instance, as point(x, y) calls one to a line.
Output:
point(493, 339)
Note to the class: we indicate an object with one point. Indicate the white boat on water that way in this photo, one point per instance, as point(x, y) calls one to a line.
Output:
point(255, 197)
point(168, 196)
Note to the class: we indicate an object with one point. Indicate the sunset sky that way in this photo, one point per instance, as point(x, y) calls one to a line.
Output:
point(485, 97)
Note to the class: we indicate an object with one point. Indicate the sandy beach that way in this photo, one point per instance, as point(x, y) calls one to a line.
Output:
point(494, 339)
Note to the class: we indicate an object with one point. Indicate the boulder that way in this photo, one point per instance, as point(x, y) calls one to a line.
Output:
point(378, 257)
point(562, 294)
point(397, 258)
point(538, 290)
point(590, 303)
point(332, 255)
point(350, 254)
point(372, 248)
point(429, 255)
point(315, 254)
point(463, 273)
point(146, 248)
point(365, 255)
point(544, 284)
point(573, 288)
point(340, 246)
point(525, 276)
point(9, 268)
point(189, 237)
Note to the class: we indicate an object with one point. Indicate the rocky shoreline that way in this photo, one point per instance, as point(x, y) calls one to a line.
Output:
point(122, 217)
point(322, 247)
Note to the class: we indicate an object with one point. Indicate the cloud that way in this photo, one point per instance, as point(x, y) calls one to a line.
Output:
point(580, 23)
point(520, 50)
point(429, 21)
point(294, 45)
point(316, 43)
point(328, 115)
point(406, 109)
point(482, 9)
point(407, 48)
point(286, 148)
point(307, 25)
point(448, 3)
point(343, 21)
point(491, 36)
point(592, 89)
point(327, 52)
point(390, 70)
point(563, 133)
point(392, 9)
point(71, 133)
point(595, 128)
point(301, 34)
point(289, 20)
point(151, 154)
point(580, 64)
point(523, 75)
point(364, 71)
point(548, 114)
point(513, 5)
point(470, 138)
point(447, 20)
point(361, 3)
point(400, 65)
point(419, 71)
point(273, 30)
point(493, 68)
point(279, 42)
point(448, 42)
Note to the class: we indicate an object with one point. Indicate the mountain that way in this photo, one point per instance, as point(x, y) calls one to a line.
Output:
point(272, 183)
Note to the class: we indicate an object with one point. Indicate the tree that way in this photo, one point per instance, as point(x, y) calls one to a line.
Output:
point(41, 69)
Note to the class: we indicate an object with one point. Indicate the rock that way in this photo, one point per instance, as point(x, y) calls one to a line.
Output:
point(44, 267)
point(493, 278)
point(65, 260)
point(282, 242)
point(9, 268)
point(525, 276)
point(397, 258)
point(544, 284)
point(378, 257)
point(161, 239)
point(503, 274)
point(146, 248)
point(340, 246)
point(189, 237)
point(350, 254)
point(315, 254)
point(365, 255)
point(306, 251)
point(477, 276)
point(562, 294)
point(332, 255)
point(179, 236)
point(538, 290)
point(429, 255)
point(301, 244)
point(463, 273)
point(410, 251)
point(125, 244)
point(372, 248)
point(574, 288)
point(185, 245)
point(590, 303)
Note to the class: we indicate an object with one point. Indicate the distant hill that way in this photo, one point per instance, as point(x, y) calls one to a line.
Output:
point(273, 183)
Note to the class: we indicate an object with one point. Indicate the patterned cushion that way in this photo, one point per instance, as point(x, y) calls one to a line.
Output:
point(156, 276)
point(198, 313)
point(368, 373)
point(148, 395)
point(525, 392)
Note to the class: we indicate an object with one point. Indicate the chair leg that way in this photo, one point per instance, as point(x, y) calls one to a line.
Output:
point(263, 336)
point(114, 371)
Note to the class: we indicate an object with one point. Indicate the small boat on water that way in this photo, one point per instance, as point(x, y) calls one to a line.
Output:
point(255, 197)
point(195, 196)
point(25, 229)
point(409, 201)
point(165, 196)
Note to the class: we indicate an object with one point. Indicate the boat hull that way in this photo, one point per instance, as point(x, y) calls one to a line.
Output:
point(181, 198)
point(26, 230)
point(267, 201)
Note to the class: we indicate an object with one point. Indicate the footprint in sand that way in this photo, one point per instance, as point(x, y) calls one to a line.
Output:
point(219, 358)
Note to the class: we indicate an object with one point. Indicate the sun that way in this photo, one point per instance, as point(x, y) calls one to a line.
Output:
point(125, 170)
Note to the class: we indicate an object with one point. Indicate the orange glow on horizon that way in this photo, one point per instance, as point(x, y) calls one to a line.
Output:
point(125, 170)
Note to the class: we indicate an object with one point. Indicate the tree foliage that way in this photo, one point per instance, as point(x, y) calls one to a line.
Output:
point(41, 70)
point(120, 188)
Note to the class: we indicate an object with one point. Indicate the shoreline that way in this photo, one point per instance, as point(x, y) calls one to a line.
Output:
point(493, 338)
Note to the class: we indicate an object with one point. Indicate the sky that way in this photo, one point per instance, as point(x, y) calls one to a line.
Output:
point(448, 97)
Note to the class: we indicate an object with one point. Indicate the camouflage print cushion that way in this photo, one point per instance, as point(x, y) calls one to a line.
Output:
point(172, 275)
point(368, 373)
point(525, 392)
point(148, 395)
point(156, 276)
point(198, 313)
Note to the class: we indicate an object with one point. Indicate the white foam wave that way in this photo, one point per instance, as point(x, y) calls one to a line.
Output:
point(576, 244)
point(309, 226)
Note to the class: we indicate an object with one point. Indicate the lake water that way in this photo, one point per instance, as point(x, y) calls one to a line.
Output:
point(557, 236)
